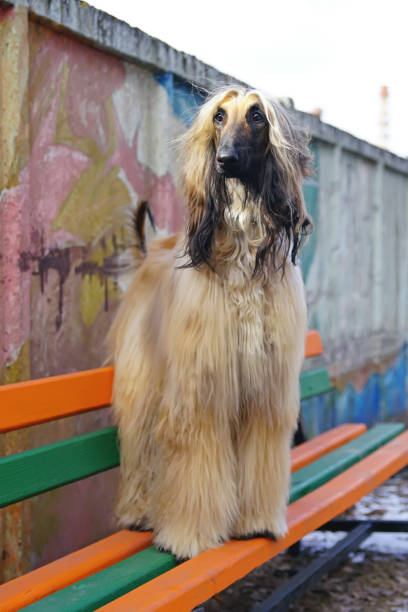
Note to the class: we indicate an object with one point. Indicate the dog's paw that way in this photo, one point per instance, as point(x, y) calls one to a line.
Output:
point(138, 527)
point(272, 530)
point(177, 559)
point(258, 534)
point(184, 546)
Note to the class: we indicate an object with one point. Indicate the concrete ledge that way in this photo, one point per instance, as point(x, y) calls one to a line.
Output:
point(336, 137)
point(117, 37)
point(113, 36)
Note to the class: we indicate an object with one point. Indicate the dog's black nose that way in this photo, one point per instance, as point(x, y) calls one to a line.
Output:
point(227, 157)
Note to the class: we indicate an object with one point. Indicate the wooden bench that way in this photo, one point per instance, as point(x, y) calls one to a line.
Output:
point(124, 571)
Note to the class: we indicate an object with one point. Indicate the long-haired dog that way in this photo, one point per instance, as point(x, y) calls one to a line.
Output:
point(208, 341)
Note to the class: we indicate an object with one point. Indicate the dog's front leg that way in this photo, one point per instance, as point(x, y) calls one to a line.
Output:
point(136, 424)
point(263, 477)
point(195, 489)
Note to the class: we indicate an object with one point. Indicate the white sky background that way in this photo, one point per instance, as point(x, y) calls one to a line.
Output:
point(332, 54)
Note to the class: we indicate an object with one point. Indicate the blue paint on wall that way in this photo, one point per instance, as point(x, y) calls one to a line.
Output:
point(383, 397)
point(185, 98)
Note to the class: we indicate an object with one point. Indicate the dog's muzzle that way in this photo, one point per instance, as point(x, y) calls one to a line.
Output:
point(228, 162)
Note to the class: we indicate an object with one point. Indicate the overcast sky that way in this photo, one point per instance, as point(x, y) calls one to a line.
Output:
point(332, 54)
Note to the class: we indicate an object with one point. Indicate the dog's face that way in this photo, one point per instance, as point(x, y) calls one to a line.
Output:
point(241, 136)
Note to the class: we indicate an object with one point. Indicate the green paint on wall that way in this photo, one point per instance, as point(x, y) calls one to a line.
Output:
point(311, 194)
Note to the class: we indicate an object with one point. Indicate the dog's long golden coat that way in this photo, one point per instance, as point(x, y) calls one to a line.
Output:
point(206, 388)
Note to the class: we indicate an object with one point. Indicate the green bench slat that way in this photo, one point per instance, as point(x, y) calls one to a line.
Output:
point(108, 584)
point(35, 471)
point(322, 470)
point(314, 383)
point(101, 588)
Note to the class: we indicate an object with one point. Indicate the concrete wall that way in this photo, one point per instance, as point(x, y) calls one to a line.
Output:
point(88, 107)
point(356, 279)
point(356, 282)
point(83, 134)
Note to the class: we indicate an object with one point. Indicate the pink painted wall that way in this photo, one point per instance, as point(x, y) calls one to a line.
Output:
point(85, 165)
point(86, 136)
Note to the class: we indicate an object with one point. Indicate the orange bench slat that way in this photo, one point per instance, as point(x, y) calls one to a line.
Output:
point(80, 564)
point(195, 581)
point(46, 399)
point(45, 580)
point(313, 344)
point(330, 440)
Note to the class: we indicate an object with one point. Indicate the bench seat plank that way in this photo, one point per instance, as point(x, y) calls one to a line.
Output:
point(35, 471)
point(110, 583)
point(317, 473)
point(315, 448)
point(102, 587)
point(195, 581)
point(71, 568)
point(49, 578)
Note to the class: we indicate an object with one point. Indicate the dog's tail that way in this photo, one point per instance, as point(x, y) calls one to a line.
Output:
point(142, 231)
point(139, 229)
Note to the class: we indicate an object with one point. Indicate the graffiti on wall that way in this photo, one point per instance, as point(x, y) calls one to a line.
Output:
point(100, 140)
point(87, 136)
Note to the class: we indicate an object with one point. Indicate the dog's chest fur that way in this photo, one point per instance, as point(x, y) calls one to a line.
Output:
point(246, 296)
point(222, 336)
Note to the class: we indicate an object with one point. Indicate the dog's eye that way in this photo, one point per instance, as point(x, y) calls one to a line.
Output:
point(219, 116)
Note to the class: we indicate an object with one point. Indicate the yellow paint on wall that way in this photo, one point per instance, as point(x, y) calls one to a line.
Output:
point(13, 96)
point(42, 88)
point(19, 370)
point(95, 288)
point(87, 211)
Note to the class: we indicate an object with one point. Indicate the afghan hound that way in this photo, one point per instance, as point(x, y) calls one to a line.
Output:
point(208, 340)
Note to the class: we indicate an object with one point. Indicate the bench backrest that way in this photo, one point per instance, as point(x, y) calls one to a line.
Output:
point(35, 471)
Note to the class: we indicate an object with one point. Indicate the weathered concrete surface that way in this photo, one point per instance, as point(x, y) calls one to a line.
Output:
point(356, 282)
point(335, 137)
point(83, 135)
point(89, 107)
point(117, 37)
point(14, 232)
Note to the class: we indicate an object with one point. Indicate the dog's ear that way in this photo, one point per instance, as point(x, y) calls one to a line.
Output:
point(205, 207)
point(197, 149)
point(290, 148)
point(197, 177)
point(289, 161)
point(202, 187)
